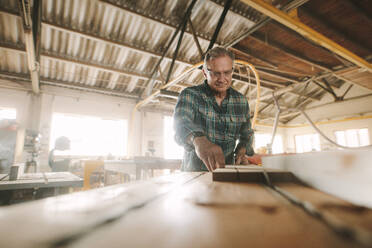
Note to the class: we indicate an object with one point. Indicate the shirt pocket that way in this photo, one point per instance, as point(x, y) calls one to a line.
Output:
point(234, 124)
point(208, 120)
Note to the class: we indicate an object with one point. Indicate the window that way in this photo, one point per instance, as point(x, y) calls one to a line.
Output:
point(90, 135)
point(307, 143)
point(8, 113)
point(262, 139)
point(353, 137)
point(171, 149)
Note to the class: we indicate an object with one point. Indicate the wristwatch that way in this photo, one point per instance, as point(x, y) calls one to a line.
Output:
point(196, 134)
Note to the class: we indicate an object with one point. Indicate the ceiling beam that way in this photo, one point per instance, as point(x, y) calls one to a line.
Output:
point(70, 59)
point(24, 7)
point(307, 32)
point(36, 27)
point(243, 51)
point(291, 5)
point(251, 14)
point(289, 52)
point(264, 83)
point(280, 77)
point(16, 77)
point(326, 89)
point(200, 50)
point(127, 7)
point(289, 89)
point(294, 54)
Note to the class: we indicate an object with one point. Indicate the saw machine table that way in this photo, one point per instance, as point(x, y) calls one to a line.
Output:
point(186, 210)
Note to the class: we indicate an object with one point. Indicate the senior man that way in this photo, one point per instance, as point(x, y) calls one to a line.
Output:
point(212, 120)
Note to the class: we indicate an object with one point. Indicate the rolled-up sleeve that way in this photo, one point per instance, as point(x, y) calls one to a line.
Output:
point(186, 120)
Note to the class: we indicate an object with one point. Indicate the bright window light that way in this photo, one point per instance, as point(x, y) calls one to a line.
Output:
point(262, 139)
point(353, 137)
point(307, 143)
point(90, 136)
point(8, 113)
point(171, 149)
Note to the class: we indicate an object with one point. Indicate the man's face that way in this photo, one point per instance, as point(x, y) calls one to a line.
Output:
point(218, 73)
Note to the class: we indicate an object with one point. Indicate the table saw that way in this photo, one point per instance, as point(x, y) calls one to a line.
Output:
point(192, 210)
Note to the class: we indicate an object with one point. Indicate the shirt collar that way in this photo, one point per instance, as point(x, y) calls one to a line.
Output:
point(209, 91)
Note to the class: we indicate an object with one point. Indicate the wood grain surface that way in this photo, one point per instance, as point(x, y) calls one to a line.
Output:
point(181, 210)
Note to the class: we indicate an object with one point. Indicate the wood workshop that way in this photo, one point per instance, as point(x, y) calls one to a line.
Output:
point(185, 123)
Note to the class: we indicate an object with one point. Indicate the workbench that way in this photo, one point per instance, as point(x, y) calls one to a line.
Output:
point(186, 210)
point(41, 180)
point(31, 186)
point(139, 166)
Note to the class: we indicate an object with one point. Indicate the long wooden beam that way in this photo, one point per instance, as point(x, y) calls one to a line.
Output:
point(307, 32)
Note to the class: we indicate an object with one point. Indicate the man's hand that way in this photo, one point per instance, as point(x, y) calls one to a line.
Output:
point(255, 159)
point(211, 154)
point(242, 158)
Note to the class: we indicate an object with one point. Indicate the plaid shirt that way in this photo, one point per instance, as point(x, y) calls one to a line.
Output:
point(198, 111)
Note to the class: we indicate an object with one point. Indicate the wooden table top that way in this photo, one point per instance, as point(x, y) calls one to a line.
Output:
point(180, 210)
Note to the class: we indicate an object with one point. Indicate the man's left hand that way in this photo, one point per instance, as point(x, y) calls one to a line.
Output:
point(242, 158)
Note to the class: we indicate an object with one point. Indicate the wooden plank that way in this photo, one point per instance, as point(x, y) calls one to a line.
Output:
point(42, 223)
point(227, 175)
point(252, 174)
point(350, 221)
point(207, 214)
point(349, 213)
point(345, 174)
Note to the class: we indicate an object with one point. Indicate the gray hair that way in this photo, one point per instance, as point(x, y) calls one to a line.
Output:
point(217, 52)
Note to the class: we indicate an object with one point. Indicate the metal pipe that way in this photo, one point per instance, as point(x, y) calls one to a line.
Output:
point(323, 135)
point(276, 122)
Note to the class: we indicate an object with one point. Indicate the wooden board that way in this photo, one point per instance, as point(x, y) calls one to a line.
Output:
point(253, 174)
point(351, 215)
point(345, 174)
point(216, 214)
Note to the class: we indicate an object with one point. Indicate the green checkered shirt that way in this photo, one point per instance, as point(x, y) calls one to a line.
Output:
point(197, 111)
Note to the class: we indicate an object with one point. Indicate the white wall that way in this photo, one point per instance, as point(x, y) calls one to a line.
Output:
point(328, 130)
point(36, 112)
point(269, 130)
point(152, 127)
point(16, 99)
